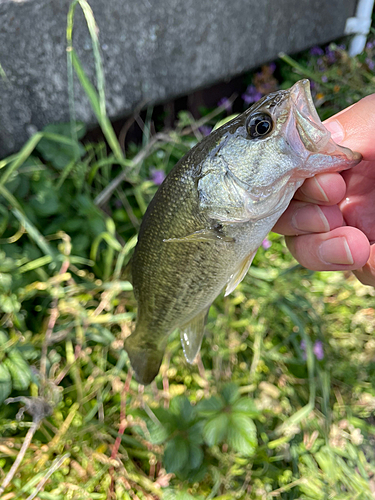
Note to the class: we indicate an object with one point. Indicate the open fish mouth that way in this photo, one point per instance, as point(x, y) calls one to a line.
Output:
point(313, 134)
point(311, 130)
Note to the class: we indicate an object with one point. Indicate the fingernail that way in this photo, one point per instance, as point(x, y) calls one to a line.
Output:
point(320, 195)
point(336, 251)
point(310, 218)
point(336, 129)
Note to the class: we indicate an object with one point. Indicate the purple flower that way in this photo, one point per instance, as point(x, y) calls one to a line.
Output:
point(225, 102)
point(330, 55)
point(205, 130)
point(324, 79)
point(272, 67)
point(316, 51)
point(251, 95)
point(266, 244)
point(318, 350)
point(320, 64)
point(267, 87)
point(341, 47)
point(370, 45)
point(157, 176)
point(370, 63)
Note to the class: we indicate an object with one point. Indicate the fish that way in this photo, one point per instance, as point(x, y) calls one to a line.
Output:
point(205, 223)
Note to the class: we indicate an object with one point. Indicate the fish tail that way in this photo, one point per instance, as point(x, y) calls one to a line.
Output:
point(145, 357)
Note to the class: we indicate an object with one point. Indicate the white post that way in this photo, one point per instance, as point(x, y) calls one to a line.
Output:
point(359, 26)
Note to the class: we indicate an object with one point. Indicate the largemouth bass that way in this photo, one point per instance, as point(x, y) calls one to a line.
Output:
point(212, 212)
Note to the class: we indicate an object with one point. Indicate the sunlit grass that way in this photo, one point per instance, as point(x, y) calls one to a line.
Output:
point(281, 401)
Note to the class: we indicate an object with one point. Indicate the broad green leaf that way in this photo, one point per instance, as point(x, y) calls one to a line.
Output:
point(5, 382)
point(197, 475)
point(195, 433)
point(195, 456)
point(246, 406)
point(176, 454)
point(242, 434)
point(58, 147)
point(19, 370)
point(182, 407)
point(166, 418)
point(215, 429)
point(169, 494)
point(45, 203)
point(230, 393)
point(159, 433)
point(209, 407)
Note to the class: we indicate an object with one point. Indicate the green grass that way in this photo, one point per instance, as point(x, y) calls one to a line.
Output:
point(258, 417)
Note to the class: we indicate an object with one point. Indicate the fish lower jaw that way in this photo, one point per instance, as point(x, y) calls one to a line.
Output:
point(328, 163)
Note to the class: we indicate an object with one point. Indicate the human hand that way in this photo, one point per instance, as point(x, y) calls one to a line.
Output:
point(330, 223)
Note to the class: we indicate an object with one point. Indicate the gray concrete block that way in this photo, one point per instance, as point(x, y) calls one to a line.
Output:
point(152, 50)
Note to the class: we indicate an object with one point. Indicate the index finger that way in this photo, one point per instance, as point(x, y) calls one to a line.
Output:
point(324, 189)
point(354, 127)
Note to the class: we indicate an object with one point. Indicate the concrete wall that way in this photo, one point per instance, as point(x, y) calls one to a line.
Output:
point(152, 49)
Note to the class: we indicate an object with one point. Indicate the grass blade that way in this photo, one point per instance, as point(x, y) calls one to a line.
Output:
point(97, 98)
point(34, 233)
point(21, 157)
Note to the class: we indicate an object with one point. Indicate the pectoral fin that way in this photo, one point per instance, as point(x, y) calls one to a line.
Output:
point(239, 274)
point(209, 234)
point(192, 335)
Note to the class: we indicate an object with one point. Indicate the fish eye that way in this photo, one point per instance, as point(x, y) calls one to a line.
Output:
point(259, 125)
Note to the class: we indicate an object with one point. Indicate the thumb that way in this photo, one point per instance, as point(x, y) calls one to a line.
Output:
point(354, 127)
point(367, 273)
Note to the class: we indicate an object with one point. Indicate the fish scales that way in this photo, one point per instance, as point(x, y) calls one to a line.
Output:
point(212, 212)
point(175, 285)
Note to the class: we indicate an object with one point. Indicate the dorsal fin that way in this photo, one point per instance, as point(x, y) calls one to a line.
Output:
point(192, 335)
point(239, 274)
